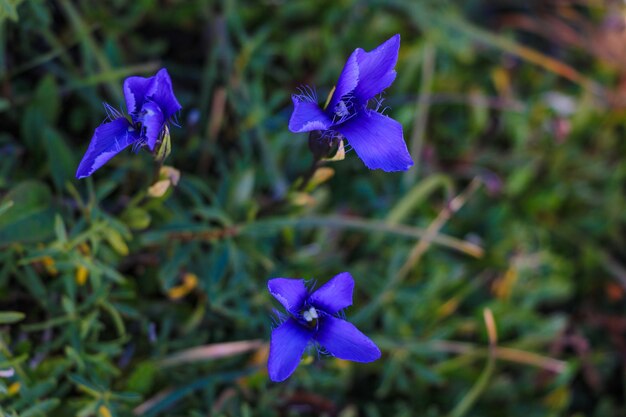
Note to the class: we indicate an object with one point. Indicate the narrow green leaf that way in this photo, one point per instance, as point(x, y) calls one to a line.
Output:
point(8, 9)
point(142, 378)
point(417, 195)
point(61, 159)
point(41, 408)
point(116, 317)
point(59, 229)
point(136, 218)
point(5, 206)
point(116, 241)
point(8, 317)
point(27, 214)
point(47, 99)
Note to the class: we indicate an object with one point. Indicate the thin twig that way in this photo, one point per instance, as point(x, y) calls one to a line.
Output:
point(433, 231)
point(210, 352)
point(430, 235)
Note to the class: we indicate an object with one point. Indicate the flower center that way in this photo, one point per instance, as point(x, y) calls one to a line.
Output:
point(341, 109)
point(345, 109)
point(310, 316)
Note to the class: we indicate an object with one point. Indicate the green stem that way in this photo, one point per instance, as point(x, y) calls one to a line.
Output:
point(310, 173)
point(156, 174)
point(481, 384)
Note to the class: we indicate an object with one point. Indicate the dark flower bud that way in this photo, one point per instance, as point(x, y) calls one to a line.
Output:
point(323, 145)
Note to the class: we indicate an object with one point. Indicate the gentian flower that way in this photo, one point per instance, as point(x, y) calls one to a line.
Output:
point(376, 138)
point(314, 317)
point(150, 103)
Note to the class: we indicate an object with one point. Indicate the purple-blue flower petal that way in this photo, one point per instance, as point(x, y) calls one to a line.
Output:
point(307, 116)
point(344, 341)
point(287, 344)
point(108, 140)
point(152, 120)
point(135, 91)
point(347, 82)
point(163, 94)
point(291, 293)
point(335, 295)
point(376, 68)
point(378, 141)
point(158, 89)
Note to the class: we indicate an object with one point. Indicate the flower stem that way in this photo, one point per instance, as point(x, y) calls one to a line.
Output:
point(158, 164)
point(306, 179)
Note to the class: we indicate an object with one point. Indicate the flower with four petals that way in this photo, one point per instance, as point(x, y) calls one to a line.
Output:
point(376, 138)
point(314, 317)
point(150, 103)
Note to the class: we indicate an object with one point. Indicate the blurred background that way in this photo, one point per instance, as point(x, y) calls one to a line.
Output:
point(119, 300)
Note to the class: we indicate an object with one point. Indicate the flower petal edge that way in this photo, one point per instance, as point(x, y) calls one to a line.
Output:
point(307, 116)
point(344, 341)
point(378, 140)
point(108, 140)
point(291, 293)
point(335, 295)
point(287, 344)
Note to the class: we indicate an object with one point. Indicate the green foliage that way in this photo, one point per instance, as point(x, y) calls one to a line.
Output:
point(8, 9)
point(122, 294)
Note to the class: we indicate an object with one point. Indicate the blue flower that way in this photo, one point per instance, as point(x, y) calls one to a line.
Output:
point(313, 317)
point(376, 138)
point(151, 104)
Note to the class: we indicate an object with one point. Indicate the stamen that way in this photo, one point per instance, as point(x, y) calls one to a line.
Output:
point(310, 316)
point(344, 110)
point(307, 316)
point(341, 109)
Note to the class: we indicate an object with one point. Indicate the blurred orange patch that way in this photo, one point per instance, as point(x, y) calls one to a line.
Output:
point(190, 282)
